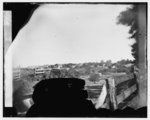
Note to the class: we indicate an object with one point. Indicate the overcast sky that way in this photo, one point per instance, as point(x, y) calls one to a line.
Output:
point(72, 34)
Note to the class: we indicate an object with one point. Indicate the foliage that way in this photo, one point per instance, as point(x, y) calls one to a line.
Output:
point(130, 18)
point(55, 73)
point(108, 63)
point(94, 77)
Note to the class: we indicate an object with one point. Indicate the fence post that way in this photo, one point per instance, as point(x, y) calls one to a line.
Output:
point(112, 93)
point(102, 97)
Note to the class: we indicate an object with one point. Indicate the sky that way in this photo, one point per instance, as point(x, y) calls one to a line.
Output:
point(72, 33)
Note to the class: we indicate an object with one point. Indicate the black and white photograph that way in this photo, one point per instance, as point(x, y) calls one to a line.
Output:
point(75, 59)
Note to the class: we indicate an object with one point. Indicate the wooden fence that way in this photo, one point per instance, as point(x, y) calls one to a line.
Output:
point(114, 92)
point(121, 91)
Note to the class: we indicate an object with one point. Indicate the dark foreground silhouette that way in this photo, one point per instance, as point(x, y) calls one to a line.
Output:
point(66, 97)
point(61, 97)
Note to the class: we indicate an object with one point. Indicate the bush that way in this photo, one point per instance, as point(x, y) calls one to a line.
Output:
point(94, 78)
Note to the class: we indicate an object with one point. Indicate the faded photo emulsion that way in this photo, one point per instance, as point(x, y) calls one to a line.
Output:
point(75, 59)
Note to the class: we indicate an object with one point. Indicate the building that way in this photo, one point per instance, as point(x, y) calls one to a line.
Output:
point(40, 72)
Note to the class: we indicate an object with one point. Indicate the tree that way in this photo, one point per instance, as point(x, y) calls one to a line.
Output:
point(108, 63)
point(130, 17)
point(87, 69)
point(135, 17)
point(101, 63)
point(55, 73)
point(64, 73)
point(94, 77)
point(71, 73)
